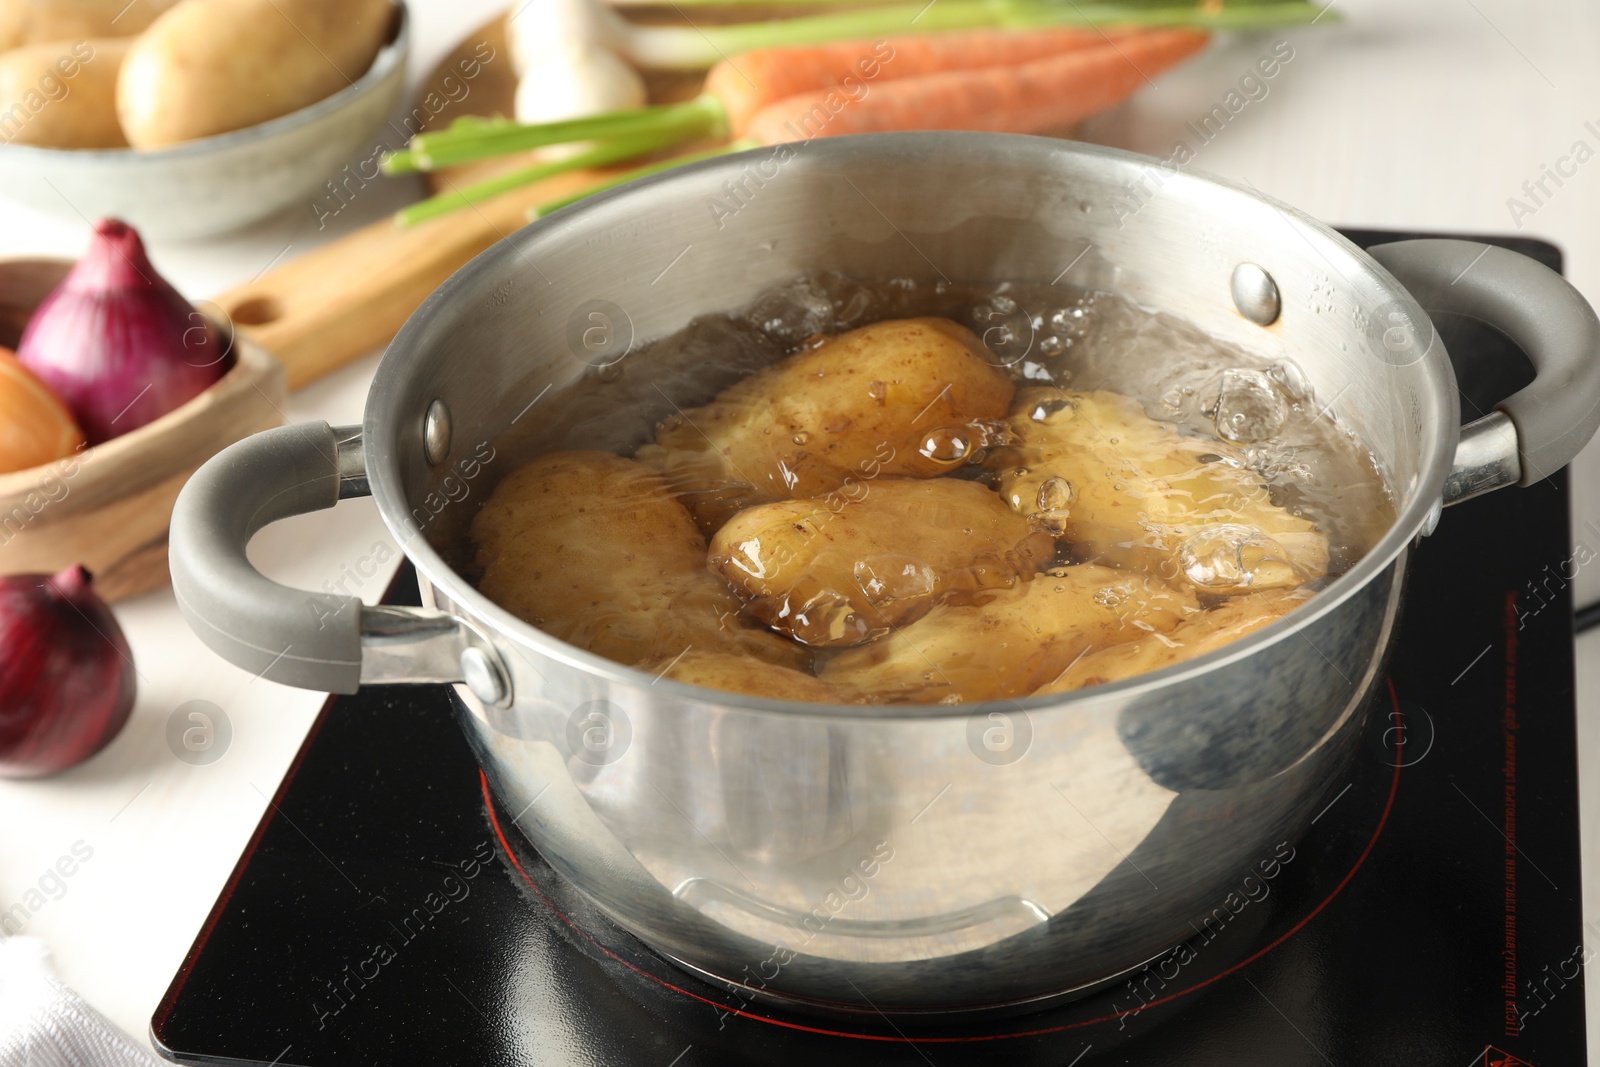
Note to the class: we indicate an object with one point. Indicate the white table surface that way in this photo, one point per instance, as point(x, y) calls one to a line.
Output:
point(1423, 114)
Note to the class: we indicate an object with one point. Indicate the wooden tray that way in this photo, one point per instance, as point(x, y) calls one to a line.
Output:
point(108, 506)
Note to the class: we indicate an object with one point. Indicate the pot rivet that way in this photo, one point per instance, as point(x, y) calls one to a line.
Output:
point(436, 433)
point(484, 677)
point(1255, 294)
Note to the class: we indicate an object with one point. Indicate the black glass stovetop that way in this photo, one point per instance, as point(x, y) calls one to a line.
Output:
point(386, 912)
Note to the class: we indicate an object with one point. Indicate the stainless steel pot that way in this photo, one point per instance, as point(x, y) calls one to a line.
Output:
point(895, 859)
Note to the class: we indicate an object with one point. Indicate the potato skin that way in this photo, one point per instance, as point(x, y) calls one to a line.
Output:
point(593, 549)
point(853, 408)
point(1008, 643)
point(738, 673)
point(25, 22)
point(1132, 491)
point(830, 577)
point(62, 94)
point(210, 66)
point(1194, 637)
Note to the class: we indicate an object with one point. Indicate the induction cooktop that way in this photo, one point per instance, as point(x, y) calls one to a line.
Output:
point(387, 911)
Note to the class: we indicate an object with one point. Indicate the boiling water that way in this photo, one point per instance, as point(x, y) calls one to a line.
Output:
point(1043, 335)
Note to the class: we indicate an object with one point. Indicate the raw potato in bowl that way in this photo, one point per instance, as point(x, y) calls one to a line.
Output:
point(897, 398)
point(210, 66)
point(62, 94)
point(827, 577)
point(25, 22)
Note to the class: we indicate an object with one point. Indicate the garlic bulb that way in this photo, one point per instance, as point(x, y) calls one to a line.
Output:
point(542, 29)
point(574, 85)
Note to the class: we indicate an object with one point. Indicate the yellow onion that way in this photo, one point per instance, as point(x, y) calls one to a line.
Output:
point(35, 426)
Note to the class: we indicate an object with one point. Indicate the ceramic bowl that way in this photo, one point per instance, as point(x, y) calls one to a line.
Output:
point(220, 183)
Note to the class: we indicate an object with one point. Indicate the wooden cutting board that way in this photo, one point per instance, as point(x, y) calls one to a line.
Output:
point(323, 309)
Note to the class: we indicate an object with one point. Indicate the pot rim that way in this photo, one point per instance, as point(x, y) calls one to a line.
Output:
point(1415, 516)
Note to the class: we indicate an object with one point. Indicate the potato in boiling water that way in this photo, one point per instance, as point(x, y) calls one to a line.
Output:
point(593, 549)
point(1205, 632)
point(1132, 491)
point(737, 673)
point(829, 576)
point(898, 397)
point(1009, 642)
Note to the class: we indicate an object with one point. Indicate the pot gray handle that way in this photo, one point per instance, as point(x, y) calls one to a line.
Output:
point(325, 641)
point(1539, 429)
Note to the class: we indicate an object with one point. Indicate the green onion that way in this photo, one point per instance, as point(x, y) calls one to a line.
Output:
point(466, 143)
point(697, 47)
point(602, 154)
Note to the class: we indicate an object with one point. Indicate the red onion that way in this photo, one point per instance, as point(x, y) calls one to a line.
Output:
point(116, 343)
point(66, 674)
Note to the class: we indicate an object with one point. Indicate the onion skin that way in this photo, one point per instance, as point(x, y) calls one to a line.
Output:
point(66, 673)
point(35, 426)
point(116, 343)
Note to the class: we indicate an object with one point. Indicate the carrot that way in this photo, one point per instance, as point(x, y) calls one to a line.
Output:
point(747, 83)
point(1027, 81)
point(1029, 97)
point(739, 87)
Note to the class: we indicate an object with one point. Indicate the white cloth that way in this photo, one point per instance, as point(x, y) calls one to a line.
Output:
point(45, 1024)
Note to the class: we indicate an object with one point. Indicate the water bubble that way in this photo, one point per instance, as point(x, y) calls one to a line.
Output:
point(1249, 407)
point(893, 577)
point(1052, 346)
point(1044, 409)
point(1054, 494)
point(1073, 323)
point(1232, 555)
point(854, 311)
point(801, 438)
point(1290, 380)
point(793, 313)
point(1108, 596)
point(948, 444)
point(877, 390)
